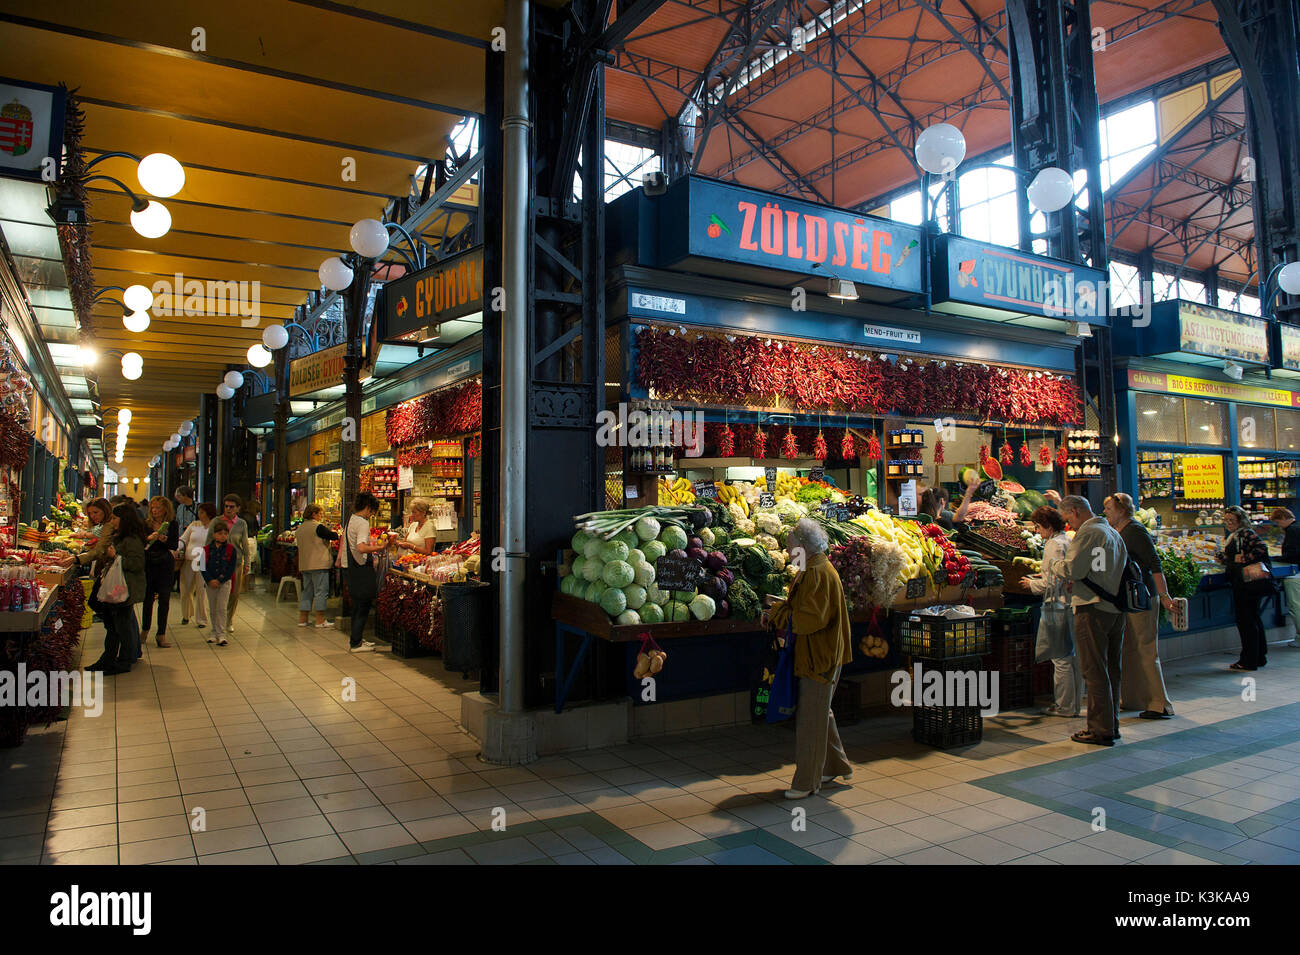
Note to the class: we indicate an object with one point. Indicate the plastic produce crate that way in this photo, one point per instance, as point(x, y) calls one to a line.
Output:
point(947, 726)
point(404, 644)
point(1015, 689)
point(1011, 654)
point(938, 638)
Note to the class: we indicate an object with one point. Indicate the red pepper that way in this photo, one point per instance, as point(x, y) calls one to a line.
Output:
point(1062, 457)
point(726, 442)
point(760, 444)
point(847, 451)
point(1006, 454)
point(1026, 459)
point(873, 447)
point(1044, 454)
point(819, 447)
point(790, 445)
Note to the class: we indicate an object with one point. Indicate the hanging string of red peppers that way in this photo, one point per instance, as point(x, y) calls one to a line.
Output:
point(721, 369)
point(439, 414)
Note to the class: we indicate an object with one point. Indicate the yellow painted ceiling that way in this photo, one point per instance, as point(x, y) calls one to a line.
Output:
point(283, 99)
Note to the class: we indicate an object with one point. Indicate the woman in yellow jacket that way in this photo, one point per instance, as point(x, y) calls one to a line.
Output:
point(816, 611)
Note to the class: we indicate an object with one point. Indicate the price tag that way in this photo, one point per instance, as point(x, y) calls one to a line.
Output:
point(631, 492)
point(706, 491)
point(817, 474)
point(769, 474)
point(766, 499)
point(58, 625)
point(841, 513)
point(915, 588)
point(676, 573)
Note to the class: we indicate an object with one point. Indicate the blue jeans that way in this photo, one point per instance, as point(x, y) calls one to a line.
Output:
point(315, 590)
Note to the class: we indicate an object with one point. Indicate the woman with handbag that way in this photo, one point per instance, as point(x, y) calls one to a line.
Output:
point(159, 565)
point(1251, 575)
point(1056, 623)
point(818, 615)
point(117, 606)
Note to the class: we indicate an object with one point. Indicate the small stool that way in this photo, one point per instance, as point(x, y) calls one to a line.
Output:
point(286, 579)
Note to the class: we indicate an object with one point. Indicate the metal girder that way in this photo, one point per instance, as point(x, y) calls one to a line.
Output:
point(932, 8)
point(1230, 192)
point(1183, 231)
point(629, 17)
point(708, 100)
point(772, 157)
point(1230, 209)
point(1261, 35)
point(985, 96)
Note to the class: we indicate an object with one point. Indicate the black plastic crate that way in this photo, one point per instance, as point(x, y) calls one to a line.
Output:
point(406, 645)
point(938, 638)
point(1015, 690)
point(947, 726)
point(1013, 654)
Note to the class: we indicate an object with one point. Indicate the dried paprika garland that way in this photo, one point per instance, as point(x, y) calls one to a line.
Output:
point(1026, 459)
point(938, 451)
point(790, 445)
point(1005, 454)
point(847, 449)
point(873, 447)
point(819, 447)
point(1044, 454)
point(1062, 457)
point(760, 443)
point(726, 442)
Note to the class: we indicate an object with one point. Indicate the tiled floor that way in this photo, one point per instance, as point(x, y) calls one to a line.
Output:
point(250, 754)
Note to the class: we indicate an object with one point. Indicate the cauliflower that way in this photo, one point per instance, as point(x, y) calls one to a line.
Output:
point(768, 523)
point(768, 542)
point(749, 492)
point(779, 559)
point(737, 512)
point(745, 528)
point(789, 511)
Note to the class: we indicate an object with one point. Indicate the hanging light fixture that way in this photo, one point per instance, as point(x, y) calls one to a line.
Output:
point(1052, 189)
point(138, 298)
point(334, 274)
point(225, 392)
point(258, 356)
point(369, 238)
point(124, 416)
point(132, 366)
point(186, 427)
point(275, 336)
point(160, 175)
point(234, 380)
point(153, 221)
point(1288, 278)
point(136, 322)
point(940, 148)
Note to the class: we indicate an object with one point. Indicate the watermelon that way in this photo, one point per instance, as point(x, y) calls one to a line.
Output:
point(1011, 487)
point(992, 470)
point(1033, 497)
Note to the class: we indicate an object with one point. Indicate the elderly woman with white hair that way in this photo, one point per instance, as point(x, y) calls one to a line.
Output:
point(817, 613)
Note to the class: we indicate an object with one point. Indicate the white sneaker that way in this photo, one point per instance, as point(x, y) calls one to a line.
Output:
point(364, 646)
point(842, 776)
point(798, 793)
point(327, 625)
point(302, 623)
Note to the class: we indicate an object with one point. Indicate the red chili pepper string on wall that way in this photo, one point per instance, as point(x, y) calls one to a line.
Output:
point(1062, 457)
point(760, 443)
point(726, 441)
point(1005, 454)
point(938, 451)
point(1044, 453)
point(790, 445)
point(984, 453)
point(819, 447)
point(1026, 458)
point(847, 449)
point(873, 447)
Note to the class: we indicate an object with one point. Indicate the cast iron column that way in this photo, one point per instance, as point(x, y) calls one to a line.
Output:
point(279, 496)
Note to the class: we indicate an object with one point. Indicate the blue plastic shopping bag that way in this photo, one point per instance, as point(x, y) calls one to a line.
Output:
point(785, 688)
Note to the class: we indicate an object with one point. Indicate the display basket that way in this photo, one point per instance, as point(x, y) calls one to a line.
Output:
point(939, 638)
point(969, 538)
point(404, 644)
point(1015, 689)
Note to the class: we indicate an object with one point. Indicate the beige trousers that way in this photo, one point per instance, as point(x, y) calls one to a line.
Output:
point(1142, 685)
point(818, 751)
point(194, 601)
point(236, 585)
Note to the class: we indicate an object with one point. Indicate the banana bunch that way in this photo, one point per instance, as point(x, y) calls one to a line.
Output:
point(731, 495)
point(873, 646)
point(678, 492)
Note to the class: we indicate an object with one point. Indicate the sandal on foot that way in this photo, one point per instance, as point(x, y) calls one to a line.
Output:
point(1092, 739)
point(1240, 666)
point(222, 642)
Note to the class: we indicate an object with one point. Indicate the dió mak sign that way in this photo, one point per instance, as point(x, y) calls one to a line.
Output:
point(448, 289)
point(1010, 280)
point(736, 224)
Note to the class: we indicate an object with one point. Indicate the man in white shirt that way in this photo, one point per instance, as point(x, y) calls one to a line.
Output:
point(1097, 557)
point(359, 573)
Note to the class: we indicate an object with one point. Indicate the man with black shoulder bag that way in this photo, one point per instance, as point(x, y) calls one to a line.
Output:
point(1096, 565)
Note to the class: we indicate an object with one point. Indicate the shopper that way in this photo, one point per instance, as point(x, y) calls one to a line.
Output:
point(1142, 686)
point(314, 560)
point(1098, 624)
point(1056, 622)
point(816, 612)
point(99, 513)
point(1284, 519)
point(238, 531)
point(187, 512)
point(159, 566)
point(194, 598)
point(121, 631)
point(359, 569)
point(220, 570)
point(1244, 549)
point(934, 501)
point(420, 532)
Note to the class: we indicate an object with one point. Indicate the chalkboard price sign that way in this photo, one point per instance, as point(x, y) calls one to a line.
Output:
point(915, 588)
point(769, 474)
point(841, 512)
point(817, 474)
point(706, 491)
point(969, 579)
point(766, 499)
point(676, 573)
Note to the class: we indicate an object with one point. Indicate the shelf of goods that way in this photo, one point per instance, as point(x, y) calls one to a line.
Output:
point(427, 605)
point(43, 640)
point(1085, 461)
